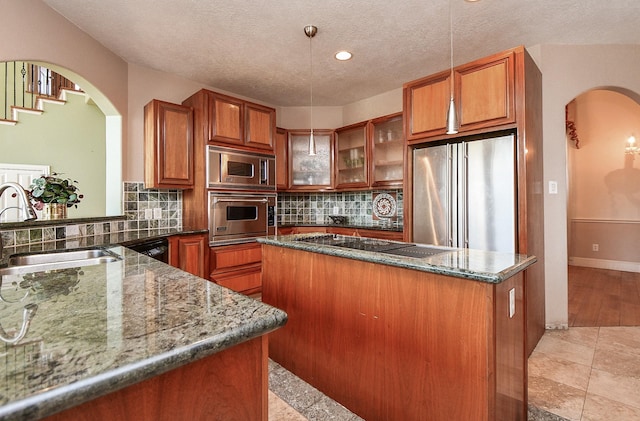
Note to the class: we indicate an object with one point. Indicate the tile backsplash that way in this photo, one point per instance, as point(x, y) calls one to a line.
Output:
point(315, 208)
point(136, 201)
point(139, 203)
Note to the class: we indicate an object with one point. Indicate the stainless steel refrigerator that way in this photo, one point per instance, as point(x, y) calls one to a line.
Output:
point(464, 194)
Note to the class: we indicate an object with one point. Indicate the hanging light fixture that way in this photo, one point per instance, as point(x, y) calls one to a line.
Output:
point(310, 31)
point(452, 117)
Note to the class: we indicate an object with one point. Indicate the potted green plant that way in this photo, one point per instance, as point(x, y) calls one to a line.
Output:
point(54, 195)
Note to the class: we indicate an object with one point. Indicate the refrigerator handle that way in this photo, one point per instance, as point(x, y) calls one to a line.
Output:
point(449, 189)
point(464, 236)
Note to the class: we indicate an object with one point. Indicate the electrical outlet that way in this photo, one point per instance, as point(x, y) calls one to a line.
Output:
point(512, 302)
point(148, 213)
point(553, 187)
point(595, 247)
point(157, 213)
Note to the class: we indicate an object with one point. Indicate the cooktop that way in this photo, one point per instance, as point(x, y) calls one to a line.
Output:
point(373, 245)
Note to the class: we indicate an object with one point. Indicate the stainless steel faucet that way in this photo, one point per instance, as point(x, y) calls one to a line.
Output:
point(29, 212)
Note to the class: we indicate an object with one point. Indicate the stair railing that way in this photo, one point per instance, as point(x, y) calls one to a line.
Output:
point(24, 82)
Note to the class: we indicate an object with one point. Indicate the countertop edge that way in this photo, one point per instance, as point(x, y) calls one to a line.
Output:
point(59, 399)
point(407, 263)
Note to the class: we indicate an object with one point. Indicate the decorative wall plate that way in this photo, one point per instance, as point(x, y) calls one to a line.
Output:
point(384, 206)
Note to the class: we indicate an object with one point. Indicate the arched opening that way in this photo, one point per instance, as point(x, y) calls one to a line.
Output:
point(603, 208)
point(83, 141)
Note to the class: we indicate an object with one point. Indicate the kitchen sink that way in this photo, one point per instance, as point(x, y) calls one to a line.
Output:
point(42, 261)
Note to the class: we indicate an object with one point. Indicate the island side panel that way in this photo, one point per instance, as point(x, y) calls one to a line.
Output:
point(511, 351)
point(231, 385)
point(386, 342)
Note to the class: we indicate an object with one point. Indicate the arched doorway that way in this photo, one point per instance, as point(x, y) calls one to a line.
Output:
point(603, 209)
point(69, 140)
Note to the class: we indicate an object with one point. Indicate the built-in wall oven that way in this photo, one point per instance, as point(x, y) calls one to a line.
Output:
point(240, 217)
point(240, 170)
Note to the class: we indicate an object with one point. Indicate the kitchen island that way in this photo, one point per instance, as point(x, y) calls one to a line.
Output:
point(440, 337)
point(132, 339)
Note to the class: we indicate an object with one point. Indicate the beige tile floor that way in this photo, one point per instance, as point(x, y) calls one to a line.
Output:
point(587, 373)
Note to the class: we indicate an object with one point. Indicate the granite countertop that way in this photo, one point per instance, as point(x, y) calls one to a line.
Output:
point(484, 266)
point(392, 228)
point(99, 328)
point(125, 238)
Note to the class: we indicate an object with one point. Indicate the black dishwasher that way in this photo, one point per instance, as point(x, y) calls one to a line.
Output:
point(157, 248)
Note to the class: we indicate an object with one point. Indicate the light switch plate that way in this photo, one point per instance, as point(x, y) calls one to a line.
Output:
point(148, 213)
point(157, 213)
point(553, 187)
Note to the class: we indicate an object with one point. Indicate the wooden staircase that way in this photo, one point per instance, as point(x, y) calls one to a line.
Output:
point(56, 91)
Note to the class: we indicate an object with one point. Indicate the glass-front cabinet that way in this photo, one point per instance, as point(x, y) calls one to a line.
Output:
point(351, 156)
point(310, 171)
point(387, 151)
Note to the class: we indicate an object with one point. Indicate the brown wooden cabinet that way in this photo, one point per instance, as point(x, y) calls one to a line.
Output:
point(237, 267)
point(306, 172)
point(241, 123)
point(282, 172)
point(168, 146)
point(189, 253)
point(225, 119)
point(351, 159)
point(425, 106)
point(484, 93)
point(466, 363)
point(386, 142)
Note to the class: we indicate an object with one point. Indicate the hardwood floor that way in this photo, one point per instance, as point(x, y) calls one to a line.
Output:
point(600, 297)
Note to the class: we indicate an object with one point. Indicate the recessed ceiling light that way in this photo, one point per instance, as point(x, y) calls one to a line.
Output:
point(343, 55)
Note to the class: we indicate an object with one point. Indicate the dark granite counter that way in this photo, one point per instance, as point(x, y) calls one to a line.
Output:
point(392, 228)
point(477, 265)
point(125, 238)
point(100, 328)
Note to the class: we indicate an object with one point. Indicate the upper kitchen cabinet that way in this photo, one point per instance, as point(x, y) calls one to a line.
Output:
point(310, 172)
point(425, 104)
point(282, 179)
point(168, 146)
point(225, 119)
point(241, 123)
point(260, 126)
point(387, 151)
point(484, 93)
point(351, 156)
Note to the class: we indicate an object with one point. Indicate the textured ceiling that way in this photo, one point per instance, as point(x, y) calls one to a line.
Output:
point(258, 49)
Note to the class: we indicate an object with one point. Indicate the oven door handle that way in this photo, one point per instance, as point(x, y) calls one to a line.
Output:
point(219, 200)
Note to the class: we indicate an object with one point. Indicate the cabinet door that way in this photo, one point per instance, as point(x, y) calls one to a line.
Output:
point(306, 171)
point(260, 123)
point(225, 119)
point(485, 91)
point(387, 151)
point(168, 145)
point(282, 180)
point(188, 253)
point(426, 102)
point(238, 267)
point(351, 156)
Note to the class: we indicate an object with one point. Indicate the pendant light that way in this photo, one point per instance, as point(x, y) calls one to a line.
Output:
point(452, 117)
point(311, 31)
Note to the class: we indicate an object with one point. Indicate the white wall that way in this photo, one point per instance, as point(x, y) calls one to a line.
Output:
point(567, 72)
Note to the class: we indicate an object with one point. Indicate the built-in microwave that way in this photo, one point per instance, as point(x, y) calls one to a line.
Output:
point(240, 170)
point(238, 217)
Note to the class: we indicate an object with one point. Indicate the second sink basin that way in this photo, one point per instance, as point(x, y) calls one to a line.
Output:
point(41, 261)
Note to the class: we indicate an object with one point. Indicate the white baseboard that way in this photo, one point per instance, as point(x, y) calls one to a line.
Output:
point(605, 264)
